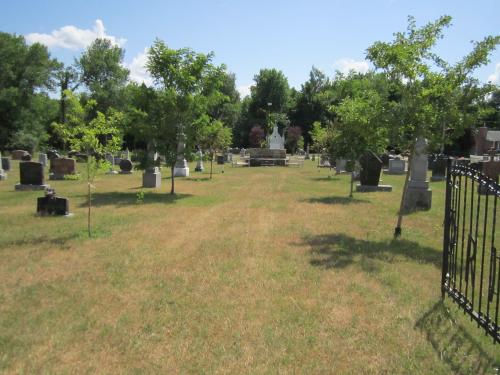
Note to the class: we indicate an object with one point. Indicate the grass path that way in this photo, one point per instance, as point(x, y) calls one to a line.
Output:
point(262, 270)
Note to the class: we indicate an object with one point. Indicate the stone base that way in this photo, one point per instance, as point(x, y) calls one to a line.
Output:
point(125, 172)
point(437, 178)
point(181, 172)
point(22, 187)
point(151, 180)
point(417, 199)
point(369, 188)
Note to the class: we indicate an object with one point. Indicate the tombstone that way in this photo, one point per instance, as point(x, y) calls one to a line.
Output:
point(31, 176)
point(111, 160)
point(118, 160)
point(5, 163)
point(220, 159)
point(51, 204)
point(3, 175)
point(126, 166)
point(418, 195)
point(181, 168)
point(228, 156)
point(199, 162)
point(151, 178)
point(52, 154)
point(42, 158)
point(307, 157)
point(369, 176)
point(439, 168)
point(61, 167)
point(26, 157)
point(276, 141)
point(340, 165)
point(242, 153)
point(313, 157)
point(396, 166)
point(18, 154)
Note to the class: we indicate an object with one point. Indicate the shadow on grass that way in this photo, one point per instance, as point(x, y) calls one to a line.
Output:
point(339, 251)
point(56, 241)
point(325, 178)
point(453, 344)
point(126, 199)
point(336, 200)
point(197, 179)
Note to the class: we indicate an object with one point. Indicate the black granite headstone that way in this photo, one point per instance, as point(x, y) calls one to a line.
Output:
point(31, 173)
point(220, 159)
point(126, 165)
point(50, 204)
point(371, 166)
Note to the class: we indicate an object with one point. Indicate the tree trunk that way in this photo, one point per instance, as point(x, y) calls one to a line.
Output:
point(172, 190)
point(89, 197)
point(211, 165)
point(352, 184)
point(397, 230)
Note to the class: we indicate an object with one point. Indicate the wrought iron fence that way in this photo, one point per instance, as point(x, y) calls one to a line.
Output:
point(471, 262)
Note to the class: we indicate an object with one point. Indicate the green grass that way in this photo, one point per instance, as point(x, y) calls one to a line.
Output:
point(261, 270)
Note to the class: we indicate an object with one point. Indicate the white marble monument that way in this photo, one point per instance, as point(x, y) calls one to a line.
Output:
point(276, 141)
point(418, 195)
point(181, 168)
point(3, 175)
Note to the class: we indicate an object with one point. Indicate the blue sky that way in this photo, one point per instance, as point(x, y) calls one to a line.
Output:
point(249, 35)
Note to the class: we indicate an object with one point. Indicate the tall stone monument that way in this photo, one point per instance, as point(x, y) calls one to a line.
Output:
point(199, 162)
point(276, 141)
point(418, 195)
point(3, 175)
point(181, 168)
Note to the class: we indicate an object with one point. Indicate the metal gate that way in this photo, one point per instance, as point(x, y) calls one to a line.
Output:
point(471, 263)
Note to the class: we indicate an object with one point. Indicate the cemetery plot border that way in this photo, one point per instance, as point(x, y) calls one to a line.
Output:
point(471, 262)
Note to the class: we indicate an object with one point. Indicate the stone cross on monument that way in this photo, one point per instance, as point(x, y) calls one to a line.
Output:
point(181, 168)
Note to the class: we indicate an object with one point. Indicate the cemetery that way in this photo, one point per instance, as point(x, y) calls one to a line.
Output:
point(160, 227)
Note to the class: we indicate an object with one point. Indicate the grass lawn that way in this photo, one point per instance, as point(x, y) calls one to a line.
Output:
point(261, 270)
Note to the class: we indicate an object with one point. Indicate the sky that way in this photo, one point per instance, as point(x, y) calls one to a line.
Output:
point(247, 36)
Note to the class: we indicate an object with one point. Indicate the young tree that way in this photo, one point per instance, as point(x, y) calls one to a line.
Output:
point(294, 139)
point(256, 136)
point(95, 138)
point(427, 98)
point(186, 79)
point(215, 137)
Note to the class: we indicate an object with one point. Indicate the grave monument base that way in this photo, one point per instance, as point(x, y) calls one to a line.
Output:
point(371, 188)
point(151, 179)
point(181, 172)
point(23, 187)
point(417, 198)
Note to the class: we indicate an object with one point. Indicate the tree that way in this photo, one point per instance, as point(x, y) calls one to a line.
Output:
point(95, 138)
point(256, 136)
point(187, 80)
point(101, 70)
point(26, 74)
point(428, 97)
point(294, 139)
point(215, 137)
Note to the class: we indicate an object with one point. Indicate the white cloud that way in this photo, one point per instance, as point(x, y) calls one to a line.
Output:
point(244, 90)
point(71, 37)
point(495, 77)
point(346, 65)
point(138, 71)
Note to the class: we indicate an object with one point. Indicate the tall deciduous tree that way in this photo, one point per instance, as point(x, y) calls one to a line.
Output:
point(431, 91)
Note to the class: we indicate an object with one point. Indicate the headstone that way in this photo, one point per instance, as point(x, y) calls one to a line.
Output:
point(31, 176)
point(369, 176)
point(242, 153)
point(3, 175)
point(26, 157)
point(42, 158)
point(314, 157)
point(18, 154)
point(220, 159)
point(418, 195)
point(228, 156)
point(126, 166)
point(53, 154)
point(340, 165)
point(439, 168)
point(61, 167)
point(396, 166)
point(181, 168)
point(51, 204)
point(307, 153)
point(199, 162)
point(151, 178)
point(5, 163)
point(111, 160)
point(276, 141)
